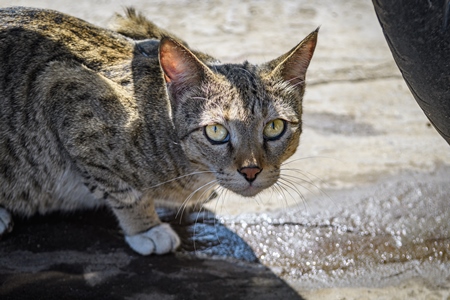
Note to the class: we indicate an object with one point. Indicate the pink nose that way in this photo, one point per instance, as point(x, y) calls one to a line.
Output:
point(250, 173)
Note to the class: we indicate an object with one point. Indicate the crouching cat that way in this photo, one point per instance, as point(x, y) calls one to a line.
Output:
point(91, 117)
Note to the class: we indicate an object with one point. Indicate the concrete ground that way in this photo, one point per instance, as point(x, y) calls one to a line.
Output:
point(366, 207)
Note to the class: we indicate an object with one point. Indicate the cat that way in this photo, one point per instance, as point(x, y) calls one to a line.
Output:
point(91, 117)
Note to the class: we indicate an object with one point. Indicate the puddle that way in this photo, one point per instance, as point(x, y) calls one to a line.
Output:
point(370, 236)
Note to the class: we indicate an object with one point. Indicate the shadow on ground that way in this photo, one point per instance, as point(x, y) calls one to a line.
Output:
point(84, 256)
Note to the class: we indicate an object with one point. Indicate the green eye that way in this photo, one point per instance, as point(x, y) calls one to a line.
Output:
point(274, 129)
point(217, 134)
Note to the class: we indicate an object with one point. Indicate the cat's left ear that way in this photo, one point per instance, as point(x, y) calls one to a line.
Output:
point(182, 69)
point(291, 67)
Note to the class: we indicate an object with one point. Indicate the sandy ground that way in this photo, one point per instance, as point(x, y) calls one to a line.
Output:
point(373, 172)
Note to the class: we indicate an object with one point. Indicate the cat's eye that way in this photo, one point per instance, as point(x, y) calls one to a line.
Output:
point(217, 134)
point(274, 129)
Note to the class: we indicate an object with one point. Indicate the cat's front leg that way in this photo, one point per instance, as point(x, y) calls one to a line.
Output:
point(160, 239)
point(144, 232)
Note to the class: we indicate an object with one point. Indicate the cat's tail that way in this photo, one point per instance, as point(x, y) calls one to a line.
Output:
point(136, 26)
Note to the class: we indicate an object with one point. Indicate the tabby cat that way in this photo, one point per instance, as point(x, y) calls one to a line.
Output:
point(92, 117)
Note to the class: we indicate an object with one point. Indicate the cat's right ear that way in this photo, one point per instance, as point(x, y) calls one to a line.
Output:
point(291, 67)
point(182, 70)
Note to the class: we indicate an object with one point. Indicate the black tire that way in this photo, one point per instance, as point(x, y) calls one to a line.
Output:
point(418, 34)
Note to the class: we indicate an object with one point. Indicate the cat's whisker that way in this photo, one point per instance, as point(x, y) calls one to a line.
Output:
point(305, 174)
point(223, 192)
point(295, 181)
point(216, 221)
point(309, 182)
point(310, 157)
point(176, 178)
point(277, 188)
point(271, 193)
point(261, 199)
point(184, 205)
point(284, 190)
point(200, 201)
point(219, 190)
point(301, 181)
point(194, 234)
point(222, 202)
point(257, 199)
point(291, 185)
point(186, 201)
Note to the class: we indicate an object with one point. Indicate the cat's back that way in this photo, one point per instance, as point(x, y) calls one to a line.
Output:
point(55, 25)
point(34, 35)
point(38, 47)
point(19, 16)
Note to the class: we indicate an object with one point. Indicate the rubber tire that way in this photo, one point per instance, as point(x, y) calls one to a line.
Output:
point(418, 35)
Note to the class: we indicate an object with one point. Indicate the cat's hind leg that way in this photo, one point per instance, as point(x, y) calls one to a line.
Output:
point(6, 222)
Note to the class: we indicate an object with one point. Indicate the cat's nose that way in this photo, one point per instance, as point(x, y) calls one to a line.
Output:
point(250, 173)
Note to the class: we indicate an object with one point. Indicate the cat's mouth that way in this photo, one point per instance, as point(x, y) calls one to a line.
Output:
point(247, 189)
point(250, 191)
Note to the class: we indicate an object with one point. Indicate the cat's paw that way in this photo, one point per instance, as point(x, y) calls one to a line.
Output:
point(6, 223)
point(160, 239)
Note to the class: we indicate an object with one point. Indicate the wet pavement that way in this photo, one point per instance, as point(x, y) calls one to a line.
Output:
point(362, 209)
point(374, 236)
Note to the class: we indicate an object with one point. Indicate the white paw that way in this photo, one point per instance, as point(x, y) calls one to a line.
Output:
point(160, 239)
point(6, 223)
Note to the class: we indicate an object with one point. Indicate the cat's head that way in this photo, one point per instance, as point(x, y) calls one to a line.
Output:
point(240, 121)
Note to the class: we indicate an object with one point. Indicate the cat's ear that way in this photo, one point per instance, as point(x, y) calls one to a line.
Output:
point(182, 69)
point(291, 67)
